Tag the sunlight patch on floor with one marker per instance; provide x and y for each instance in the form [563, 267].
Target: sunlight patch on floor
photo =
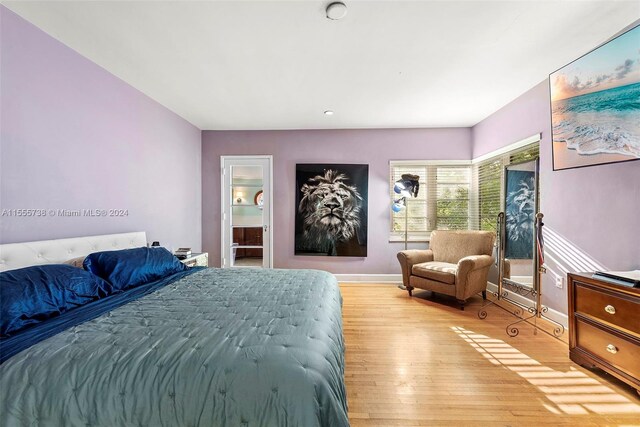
[572, 392]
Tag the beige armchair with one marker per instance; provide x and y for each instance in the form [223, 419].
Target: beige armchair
[456, 264]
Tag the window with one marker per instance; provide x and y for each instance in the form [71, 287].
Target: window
[452, 197]
[488, 174]
[442, 202]
[455, 195]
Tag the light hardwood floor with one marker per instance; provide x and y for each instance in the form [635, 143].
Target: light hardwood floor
[421, 361]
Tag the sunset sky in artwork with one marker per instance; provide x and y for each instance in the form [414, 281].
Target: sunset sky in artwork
[615, 64]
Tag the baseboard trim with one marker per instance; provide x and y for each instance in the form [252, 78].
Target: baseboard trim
[369, 278]
[552, 314]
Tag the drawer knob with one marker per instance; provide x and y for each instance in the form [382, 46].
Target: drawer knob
[610, 309]
[612, 349]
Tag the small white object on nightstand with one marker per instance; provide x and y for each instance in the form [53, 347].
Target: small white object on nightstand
[196, 260]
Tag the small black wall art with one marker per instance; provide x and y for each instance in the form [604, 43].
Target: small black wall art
[331, 209]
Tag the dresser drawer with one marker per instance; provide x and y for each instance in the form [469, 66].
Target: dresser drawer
[613, 349]
[620, 310]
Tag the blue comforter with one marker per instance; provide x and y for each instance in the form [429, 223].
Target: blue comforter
[231, 347]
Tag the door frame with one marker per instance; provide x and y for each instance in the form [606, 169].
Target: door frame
[269, 158]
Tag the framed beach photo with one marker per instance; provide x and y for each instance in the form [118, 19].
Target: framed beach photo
[595, 105]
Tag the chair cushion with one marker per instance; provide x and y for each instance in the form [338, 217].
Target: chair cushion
[435, 270]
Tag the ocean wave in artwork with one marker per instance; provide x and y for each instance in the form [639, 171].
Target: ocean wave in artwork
[602, 122]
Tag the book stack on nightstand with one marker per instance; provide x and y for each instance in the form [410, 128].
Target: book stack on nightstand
[196, 259]
[182, 253]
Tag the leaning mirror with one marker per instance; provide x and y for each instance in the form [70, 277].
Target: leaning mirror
[520, 205]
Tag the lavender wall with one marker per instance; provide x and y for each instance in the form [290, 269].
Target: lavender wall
[374, 147]
[591, 214]
[74, 136]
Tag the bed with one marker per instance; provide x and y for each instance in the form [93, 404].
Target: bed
[209, 347]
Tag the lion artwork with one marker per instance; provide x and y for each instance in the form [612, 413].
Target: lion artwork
[331, 212]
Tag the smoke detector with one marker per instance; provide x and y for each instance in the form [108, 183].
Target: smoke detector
[336, 10]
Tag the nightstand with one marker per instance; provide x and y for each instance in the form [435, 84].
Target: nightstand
[196, 260]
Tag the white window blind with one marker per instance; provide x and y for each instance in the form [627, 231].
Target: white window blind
[488, 185]
[442, 202]
[451, 197]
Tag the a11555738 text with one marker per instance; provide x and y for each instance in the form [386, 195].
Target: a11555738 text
[29, 212]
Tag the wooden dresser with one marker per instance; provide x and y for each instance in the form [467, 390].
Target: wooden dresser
[248, 236]
[604, 326]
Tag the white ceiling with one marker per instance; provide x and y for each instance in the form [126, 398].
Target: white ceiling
[280, 64]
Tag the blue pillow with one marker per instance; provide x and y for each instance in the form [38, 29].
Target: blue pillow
[133, 267]
[33, 294]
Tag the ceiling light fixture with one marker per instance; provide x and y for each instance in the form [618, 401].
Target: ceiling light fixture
[328, 113]
[336, 10]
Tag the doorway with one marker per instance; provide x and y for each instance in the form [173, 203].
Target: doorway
[246, 211]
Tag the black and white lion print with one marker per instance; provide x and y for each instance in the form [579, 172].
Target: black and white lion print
[330, 210]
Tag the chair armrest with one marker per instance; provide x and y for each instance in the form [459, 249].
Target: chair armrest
[507, 269]
[471, 276]
[411, 257]
[474, 262]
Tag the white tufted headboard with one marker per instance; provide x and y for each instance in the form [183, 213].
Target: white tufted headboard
[18, 255]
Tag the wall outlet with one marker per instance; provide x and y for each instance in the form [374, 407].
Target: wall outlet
[559, 282]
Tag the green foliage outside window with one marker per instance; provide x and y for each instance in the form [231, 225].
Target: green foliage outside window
[489, 194]
[453, 209]
[530, 154]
